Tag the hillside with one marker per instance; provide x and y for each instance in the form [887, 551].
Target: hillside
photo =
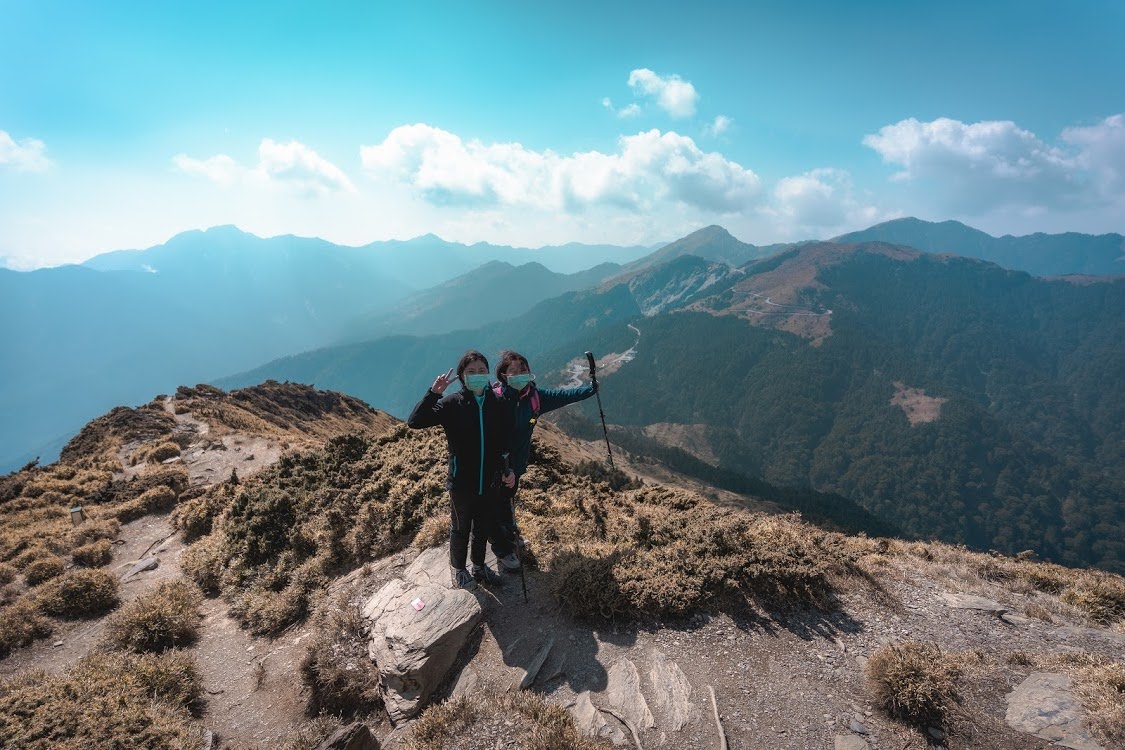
[1039, 254]
[944, 396]
[493, 292]
[655, 615]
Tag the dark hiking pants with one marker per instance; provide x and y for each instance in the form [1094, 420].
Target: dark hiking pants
[471, 517]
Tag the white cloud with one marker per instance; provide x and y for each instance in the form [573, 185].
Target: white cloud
[674, 95]
[974, 168]
[27, 155]
[718, 126]
[632, 110]
[820, 202]
[649, 169]
[292, 165]
[1101, 152]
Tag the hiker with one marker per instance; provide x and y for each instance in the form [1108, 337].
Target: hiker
[478, 428]
[516, 386]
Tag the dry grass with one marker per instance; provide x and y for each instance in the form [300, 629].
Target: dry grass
[93, 555]
[433, 533]
[43, 569]
[159, 499]
[7, 574]
[483, 722]
[162, 452]
[108, 701]
[1102, 690]
[167, 617]
[21, 623]
[77, 594]
[341, 677]
[913, 681]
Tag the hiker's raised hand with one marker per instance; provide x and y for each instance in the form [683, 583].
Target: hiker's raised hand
[509, 479]
[441, 382]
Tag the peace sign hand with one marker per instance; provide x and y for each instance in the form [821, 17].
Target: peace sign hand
[441, 382]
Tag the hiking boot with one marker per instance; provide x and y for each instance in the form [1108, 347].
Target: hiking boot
[486, 575]
[462, 578]
[509, 562]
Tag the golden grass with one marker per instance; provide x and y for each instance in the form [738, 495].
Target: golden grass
[167, 617]
[93, 555]
[21, 623]
[336, 668]
[107, 702]
[43, 569]
[478, 722]
[77, 594]
[913, 681]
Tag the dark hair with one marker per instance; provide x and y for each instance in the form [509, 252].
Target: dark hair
[507, 359]
[467, 359]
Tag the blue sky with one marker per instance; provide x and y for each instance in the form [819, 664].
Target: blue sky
[122, 124]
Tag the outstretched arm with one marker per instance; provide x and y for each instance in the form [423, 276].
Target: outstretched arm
[556, 398]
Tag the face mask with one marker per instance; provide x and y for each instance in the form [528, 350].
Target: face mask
[477, 383]
[519, 382]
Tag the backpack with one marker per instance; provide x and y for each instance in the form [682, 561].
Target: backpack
[498, 389]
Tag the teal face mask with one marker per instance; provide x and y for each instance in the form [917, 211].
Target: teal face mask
[519, 382]
[477, 383]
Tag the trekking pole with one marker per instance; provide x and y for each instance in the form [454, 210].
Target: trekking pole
[517, 537]
[597, 392]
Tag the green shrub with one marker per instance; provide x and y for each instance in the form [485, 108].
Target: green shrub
[913, 682]
[94, 554]
[161, 619]
[78, 593]
[43, 569]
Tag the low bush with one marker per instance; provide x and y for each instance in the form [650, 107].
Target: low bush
[159, 499]
[164, 618]
[1100, 596]
[93, 530]
[914, 682]
[538, 724]
[21, 623]
[433, 533]
[163, 452]
[43, 569]
[78, 593]
[109, 700]
[340, 675]
[94, 554]
[7, 574]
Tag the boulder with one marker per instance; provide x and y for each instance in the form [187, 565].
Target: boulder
[1043, 705]
[418, 627]
[672, 691]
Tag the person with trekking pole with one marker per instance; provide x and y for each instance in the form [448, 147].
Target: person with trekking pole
[478, 430]
[516, 387]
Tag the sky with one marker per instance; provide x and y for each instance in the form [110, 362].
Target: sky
[125, 123]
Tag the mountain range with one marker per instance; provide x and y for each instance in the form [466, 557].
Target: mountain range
[943, 395]
[947, 396]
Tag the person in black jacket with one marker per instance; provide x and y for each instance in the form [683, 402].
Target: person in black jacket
[517, 390]
[478, 429]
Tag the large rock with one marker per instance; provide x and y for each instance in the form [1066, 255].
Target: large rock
[418, 627]
[673, 691]
[1043, 705]
[623, 694]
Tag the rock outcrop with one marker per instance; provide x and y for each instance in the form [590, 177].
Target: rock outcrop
[419, 625]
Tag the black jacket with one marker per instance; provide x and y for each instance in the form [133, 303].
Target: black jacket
[474, 464]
